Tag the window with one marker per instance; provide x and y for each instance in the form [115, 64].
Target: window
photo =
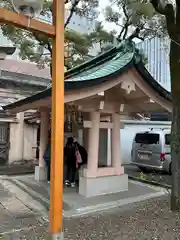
[167, 139]
[147, 138]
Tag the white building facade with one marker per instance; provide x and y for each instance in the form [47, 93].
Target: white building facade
[157, 52]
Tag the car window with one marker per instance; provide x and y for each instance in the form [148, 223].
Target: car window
[147, 138]
[167, 139]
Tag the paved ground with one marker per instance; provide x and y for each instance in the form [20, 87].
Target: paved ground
[19, 167]
[23, 216]
[73, 203]
[159, 177]
[142, 221]
[27, 167]
[17, 220]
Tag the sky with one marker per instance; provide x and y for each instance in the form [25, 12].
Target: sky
[108, 26]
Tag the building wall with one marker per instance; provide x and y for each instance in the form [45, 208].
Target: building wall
[23, 140]
[16, 139]
[30, 141]
[157, 52]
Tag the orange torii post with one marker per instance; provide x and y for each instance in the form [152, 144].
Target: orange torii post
[56, 32]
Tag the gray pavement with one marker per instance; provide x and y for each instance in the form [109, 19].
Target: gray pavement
[73, 203]
[16, 218]
[145, 220]
[19, 167]
[116, 216]
[148, 220]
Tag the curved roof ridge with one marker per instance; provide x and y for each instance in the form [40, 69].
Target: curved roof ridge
[101, 69]
[123, 46]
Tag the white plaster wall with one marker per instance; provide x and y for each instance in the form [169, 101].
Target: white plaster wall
[15, 151]
[16, 139]
[30, 141]
[23, 141]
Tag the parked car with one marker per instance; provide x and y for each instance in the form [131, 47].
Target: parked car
[151, 150]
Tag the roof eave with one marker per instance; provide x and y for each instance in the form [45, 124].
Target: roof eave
[141, 69]
[69, 85]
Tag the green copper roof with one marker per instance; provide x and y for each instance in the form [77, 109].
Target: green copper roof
[101, 69]
[104, 65]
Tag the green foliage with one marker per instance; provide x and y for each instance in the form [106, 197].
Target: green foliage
[101, 38]
[38, 48]
[130, 14]
[142, 176]
[76, 48]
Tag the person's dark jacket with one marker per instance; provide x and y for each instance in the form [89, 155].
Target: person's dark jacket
[69, 155]
[47, 155]
[84, 154]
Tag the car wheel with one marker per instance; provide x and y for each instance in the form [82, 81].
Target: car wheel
[170, 169]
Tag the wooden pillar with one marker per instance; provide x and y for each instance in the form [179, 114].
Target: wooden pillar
[93, 143]
[21, 135]
[44, 130]
[109, 147]
[57, 139]
[116, 153]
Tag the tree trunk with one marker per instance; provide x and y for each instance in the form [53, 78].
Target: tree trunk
[175, 130]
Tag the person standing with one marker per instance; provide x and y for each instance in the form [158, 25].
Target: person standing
[81, 154]
[70, 162]
[47, 159]
[81, 158]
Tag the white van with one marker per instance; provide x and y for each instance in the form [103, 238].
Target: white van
[151, 149]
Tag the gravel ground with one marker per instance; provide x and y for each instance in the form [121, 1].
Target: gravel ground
[148, 220]
[143, 221]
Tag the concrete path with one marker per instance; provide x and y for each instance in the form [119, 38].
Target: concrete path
[17, 219]
[24, 216]
[36, 196]
[147, 220]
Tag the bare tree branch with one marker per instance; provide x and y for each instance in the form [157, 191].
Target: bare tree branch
[121, 32]
[127, 21]
[73, 9]
[125, 12]
[49, 48]
[124, 29]
[135, 34]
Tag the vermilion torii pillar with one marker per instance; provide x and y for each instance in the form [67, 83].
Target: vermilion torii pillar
[56, 32]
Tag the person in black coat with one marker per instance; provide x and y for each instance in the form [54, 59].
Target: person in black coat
[47, 159]
[70, 162]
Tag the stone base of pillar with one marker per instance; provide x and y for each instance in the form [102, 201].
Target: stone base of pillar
[90, 187]
[58, 236]
[40, 173]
